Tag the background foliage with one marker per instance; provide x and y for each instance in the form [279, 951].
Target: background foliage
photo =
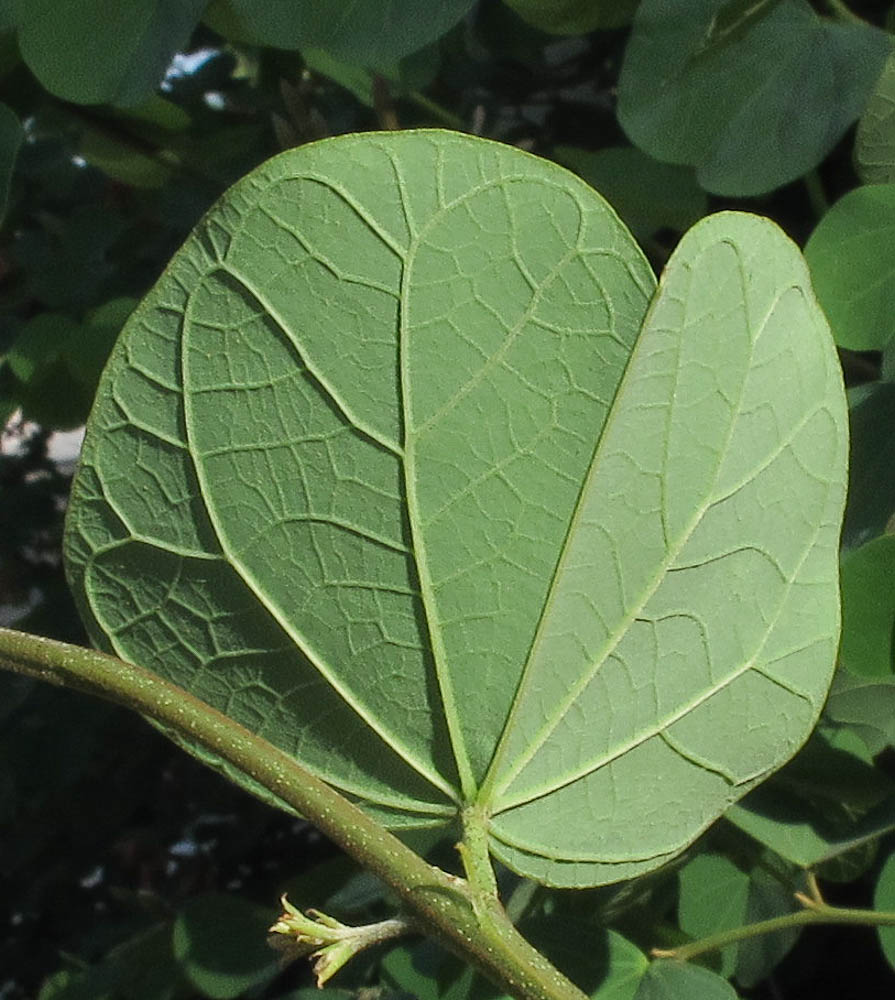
[116, 134]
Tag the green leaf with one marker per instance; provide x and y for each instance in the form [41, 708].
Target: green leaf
[91, 52]
[826, 803]
[875, 138]
[574, 17]
[871, 485]
[851, 254]
[758, 956]
[868, 609]
[57, 362]
[424, 971]
[371, 32]
[647, 194]
[411, 73]
[866, 705]
[884, 899]
[141, 968]
[713, 897]
[626, 965]
[11, 136]
[220, 942]
[351, 478]
[670, 980]
[122, 161]
[752, 103]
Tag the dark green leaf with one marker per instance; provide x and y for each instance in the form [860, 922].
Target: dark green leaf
[851, 255]
[670, 980]
[884, 899]
[713, 898]
[866, 705]
[93, 52]
[871, 485]
[758, 956]
[647, 194]
[220, 942]
[875, 139]
[824, 804]
[370, 32]
[143, 968]
[868, 609]
[574, 17]
[11, 135]
[756, 111]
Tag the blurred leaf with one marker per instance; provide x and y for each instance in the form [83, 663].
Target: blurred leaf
[574, 17]
[871, 485]
[758, 956]
[866, 705]
[41, 342]
[884, 899]
[425, 972]
[370, 32]
[647, 194]
[824, 804]
[8, 14]
[851, 255]
[875, 138]
[413, 72]
[11, 136]
[753, 113]
[143, 968]
[732, 21]
[57, 362]
[220, 942]
[868, 608]
[327, 993]
[666, 979]
[94, 52]
[122, 161]
[626, 966]
[68, 262]
[713, 898]
[570, 930]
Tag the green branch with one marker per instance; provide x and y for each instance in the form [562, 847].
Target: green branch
[475, 927]
[814, 911]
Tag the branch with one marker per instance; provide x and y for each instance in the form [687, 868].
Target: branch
[814, 911]
[445, 906]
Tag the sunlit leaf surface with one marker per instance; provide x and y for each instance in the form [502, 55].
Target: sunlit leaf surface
[398, 466]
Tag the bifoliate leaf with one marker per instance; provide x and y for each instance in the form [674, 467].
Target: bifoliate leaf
[851, 254]
[751, 100]
[395, 467]
[93, 52]
[370, 32]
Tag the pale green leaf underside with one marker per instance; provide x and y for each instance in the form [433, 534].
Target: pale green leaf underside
[351, 477]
